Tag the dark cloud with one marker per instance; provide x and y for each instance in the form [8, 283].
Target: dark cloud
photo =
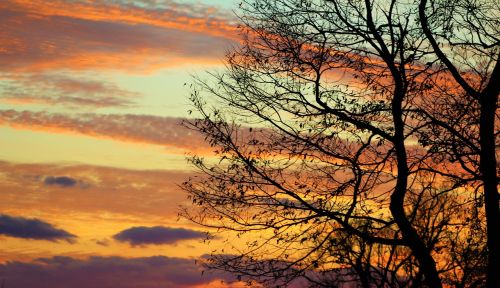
[156, 235]
[103, 242]
[107, 272]
[21, 227]
[62, 181]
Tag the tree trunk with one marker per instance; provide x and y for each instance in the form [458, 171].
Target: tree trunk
[410, 235]
[487, 167]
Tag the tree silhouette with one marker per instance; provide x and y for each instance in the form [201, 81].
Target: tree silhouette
[356, 144]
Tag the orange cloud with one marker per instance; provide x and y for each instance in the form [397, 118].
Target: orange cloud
[166, 131]
[40, 35]
[152, 194]
[187, 17]
[94, 203]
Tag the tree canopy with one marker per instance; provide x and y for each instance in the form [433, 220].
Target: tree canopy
[357, 144]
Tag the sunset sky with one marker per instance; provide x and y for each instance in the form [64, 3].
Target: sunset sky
[91, 151]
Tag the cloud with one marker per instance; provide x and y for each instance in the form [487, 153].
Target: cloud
[108, 272]
[156, 235]
[62, 181]
[142, 194]
[149, 129]
[36, 229]
[77, 35]
[102, 242]
[54, 89]
[163, 13]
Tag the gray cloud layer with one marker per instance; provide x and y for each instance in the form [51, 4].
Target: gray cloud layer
[106, 272]
[56, 89]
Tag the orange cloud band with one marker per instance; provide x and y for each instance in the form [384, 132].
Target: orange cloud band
[185, 17]
[166, 131]
[40, 35]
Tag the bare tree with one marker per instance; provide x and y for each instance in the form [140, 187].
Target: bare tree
[465, 40]
[356, 141]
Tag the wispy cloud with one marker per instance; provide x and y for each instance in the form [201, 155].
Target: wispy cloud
[20, 227]
[156, 235]
[54, 89]
[156, 130]
[162, 13]
[76, 35]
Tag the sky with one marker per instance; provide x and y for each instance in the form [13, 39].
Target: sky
[91, 151]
